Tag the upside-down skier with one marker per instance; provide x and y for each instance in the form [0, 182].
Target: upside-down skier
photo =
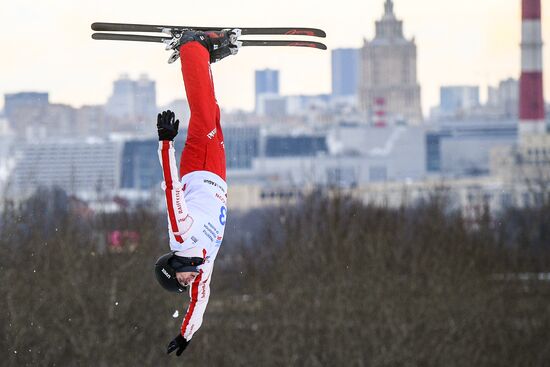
[196, 197]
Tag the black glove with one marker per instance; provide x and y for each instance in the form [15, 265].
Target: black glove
[178, 343]
[166, 126]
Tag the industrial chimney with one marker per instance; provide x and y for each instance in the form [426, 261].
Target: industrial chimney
[531, 100]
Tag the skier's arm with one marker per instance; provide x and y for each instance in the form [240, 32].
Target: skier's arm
[199, 293]
[178, 215]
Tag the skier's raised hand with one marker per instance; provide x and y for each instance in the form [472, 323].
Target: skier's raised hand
[167, 125]
[178, 343]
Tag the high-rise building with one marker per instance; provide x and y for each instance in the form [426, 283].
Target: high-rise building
[139, 166]
[388, 83]
[22, 109]
[132, 99]
[295, 146]
[145, 98]
[242, 145]
[267, 83]
[505, 98]
[271, 105]
[58, 120]
[457, 99]
[91, 121]
[345, 71]
[24, 99]
[121, 102]
[32, 117]
[73, 165]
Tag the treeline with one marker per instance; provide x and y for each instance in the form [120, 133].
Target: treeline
[325, 282]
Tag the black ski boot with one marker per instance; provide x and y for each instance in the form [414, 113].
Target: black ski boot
[222, 43]
[219, 44]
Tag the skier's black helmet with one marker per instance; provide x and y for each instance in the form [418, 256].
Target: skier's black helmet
[168, 264]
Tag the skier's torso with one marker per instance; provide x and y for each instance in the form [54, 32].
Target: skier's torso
[205, 194]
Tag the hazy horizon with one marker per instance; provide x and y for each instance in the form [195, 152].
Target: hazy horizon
[50, 49]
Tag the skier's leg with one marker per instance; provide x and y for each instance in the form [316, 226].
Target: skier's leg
[203, 149]
[215, 157]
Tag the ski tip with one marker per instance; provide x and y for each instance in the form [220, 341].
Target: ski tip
[317, 45]
[313, 32]
[308, 44]
[321, 46]
[297, 43]
[100, 36]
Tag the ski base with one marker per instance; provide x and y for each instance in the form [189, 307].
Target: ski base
[245, 43]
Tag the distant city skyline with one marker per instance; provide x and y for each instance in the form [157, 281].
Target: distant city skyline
[466, 43]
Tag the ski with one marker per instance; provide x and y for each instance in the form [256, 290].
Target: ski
[245, 43]
[310, 44]
[127, 27]
[130, 37]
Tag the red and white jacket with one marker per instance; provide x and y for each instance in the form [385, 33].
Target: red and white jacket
[197, 211]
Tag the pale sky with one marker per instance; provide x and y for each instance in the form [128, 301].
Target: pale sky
[46, 45]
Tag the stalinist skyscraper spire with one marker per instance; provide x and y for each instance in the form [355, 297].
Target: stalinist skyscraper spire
[388, 90]
[389, 8]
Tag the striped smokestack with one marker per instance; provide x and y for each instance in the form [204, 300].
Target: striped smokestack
[531, 100]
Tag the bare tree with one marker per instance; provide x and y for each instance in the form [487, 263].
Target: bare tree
[327, 281]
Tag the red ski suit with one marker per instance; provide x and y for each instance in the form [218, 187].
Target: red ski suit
[196, 199]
